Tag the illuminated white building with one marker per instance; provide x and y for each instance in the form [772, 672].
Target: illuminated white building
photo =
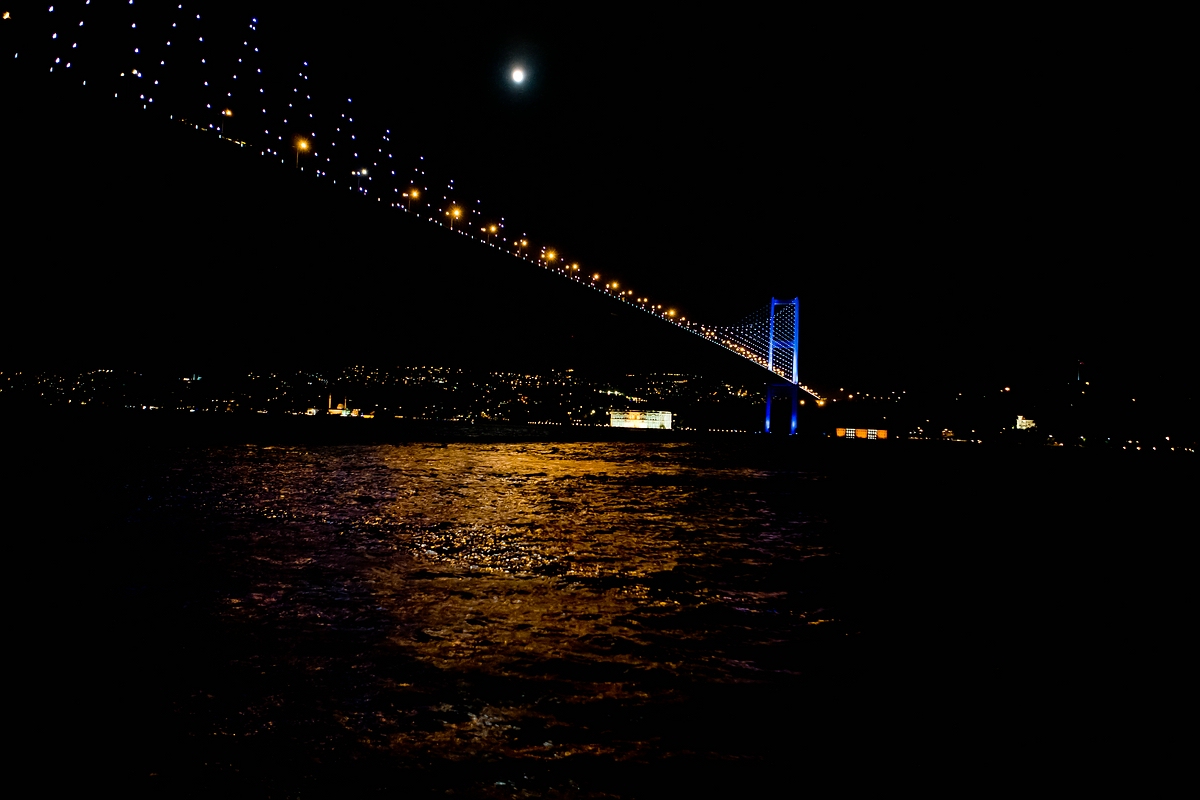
[640, 419]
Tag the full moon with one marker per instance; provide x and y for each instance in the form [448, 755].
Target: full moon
[518, 75]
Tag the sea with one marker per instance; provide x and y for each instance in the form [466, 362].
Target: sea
[510, 612]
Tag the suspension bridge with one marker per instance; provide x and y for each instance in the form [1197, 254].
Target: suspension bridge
[210, 71]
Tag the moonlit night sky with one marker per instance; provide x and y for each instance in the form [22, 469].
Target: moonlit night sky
[945, 195]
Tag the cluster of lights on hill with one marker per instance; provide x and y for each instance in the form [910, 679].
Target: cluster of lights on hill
[159, 58]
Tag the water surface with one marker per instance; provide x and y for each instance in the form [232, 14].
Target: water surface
[489, 618]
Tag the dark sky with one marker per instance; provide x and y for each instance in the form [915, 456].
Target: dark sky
[975, 195]
[953, 191]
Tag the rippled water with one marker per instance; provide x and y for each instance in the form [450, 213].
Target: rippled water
[490, 619]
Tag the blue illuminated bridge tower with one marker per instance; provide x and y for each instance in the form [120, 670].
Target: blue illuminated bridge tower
[770, 337]
[783, 336]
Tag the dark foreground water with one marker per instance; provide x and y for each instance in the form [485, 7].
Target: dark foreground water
[513, 619]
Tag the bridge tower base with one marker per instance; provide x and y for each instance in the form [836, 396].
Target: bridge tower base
[789, 390]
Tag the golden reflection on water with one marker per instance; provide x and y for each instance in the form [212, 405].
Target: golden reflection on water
[532, 561]
[570, 575]
[507, 562]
